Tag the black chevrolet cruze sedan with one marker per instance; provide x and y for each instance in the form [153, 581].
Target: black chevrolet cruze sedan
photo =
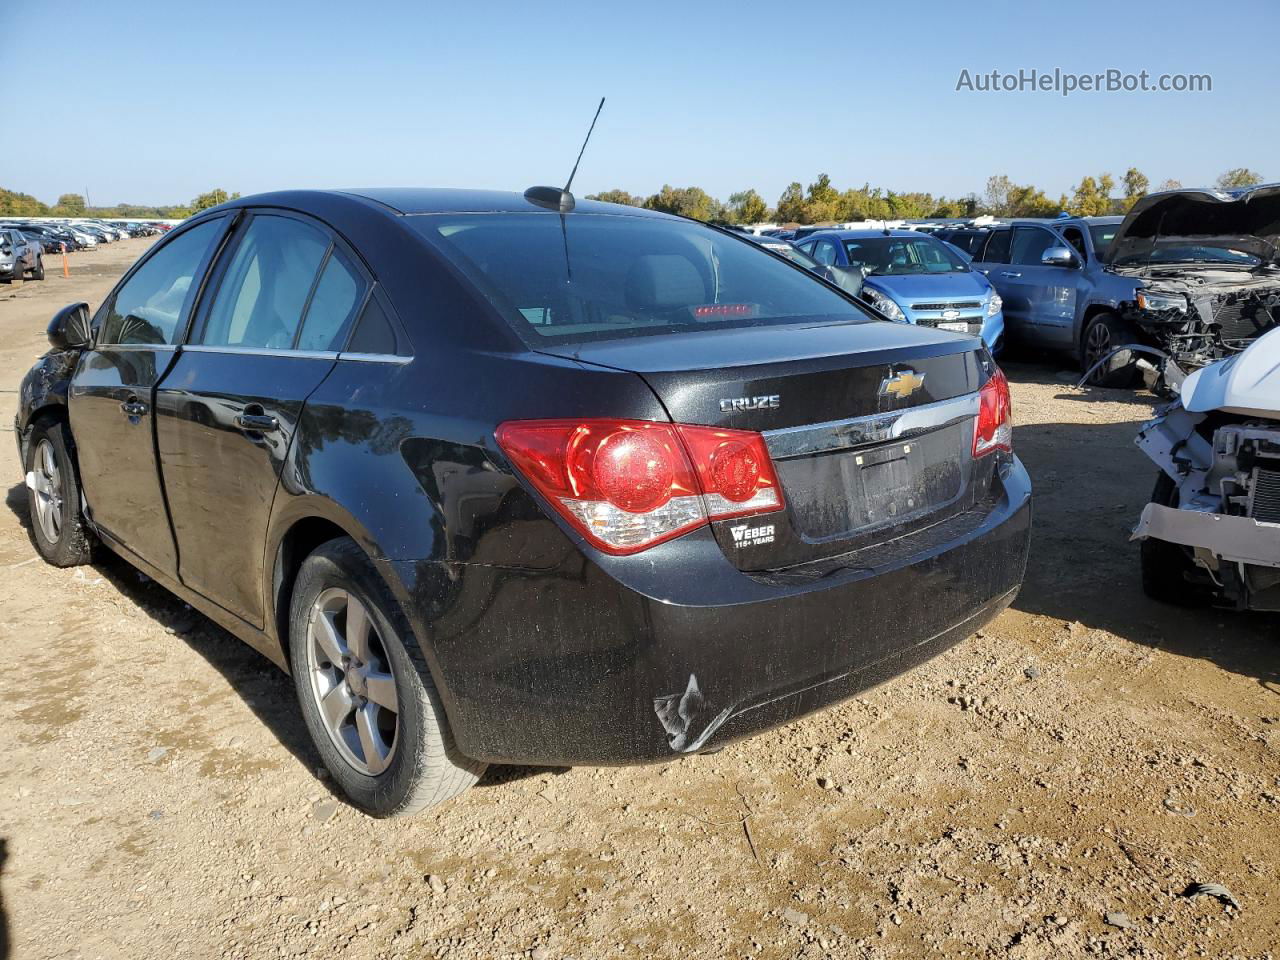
[500, 483]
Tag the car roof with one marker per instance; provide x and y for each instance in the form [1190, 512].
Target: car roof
[869, 234]
[1064, 221]
[420, 200]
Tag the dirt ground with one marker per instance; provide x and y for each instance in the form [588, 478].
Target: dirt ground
[1090, 752]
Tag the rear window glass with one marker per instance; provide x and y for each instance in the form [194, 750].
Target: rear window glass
[598, 276]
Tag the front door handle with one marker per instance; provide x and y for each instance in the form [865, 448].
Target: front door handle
[133, 407]
[257, 423]
[1007, 273]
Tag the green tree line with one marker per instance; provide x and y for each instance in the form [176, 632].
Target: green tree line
[822, 202]
[15, 204]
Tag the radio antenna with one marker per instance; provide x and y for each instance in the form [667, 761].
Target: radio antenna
[553, 198]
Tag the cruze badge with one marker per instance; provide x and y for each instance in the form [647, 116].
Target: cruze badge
[750, 403]
[902, 384]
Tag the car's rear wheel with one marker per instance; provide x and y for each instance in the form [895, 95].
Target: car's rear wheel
[58, 528]
[38, 272]
[1104, 333]
[1168, 572]
[367, 695]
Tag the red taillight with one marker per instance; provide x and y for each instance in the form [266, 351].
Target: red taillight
[735, 471]
[993, 429]
[629, 484]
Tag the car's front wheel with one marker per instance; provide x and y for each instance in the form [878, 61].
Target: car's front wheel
[366, 692]
[1168, 572]
[1105, 332]
[58, 527]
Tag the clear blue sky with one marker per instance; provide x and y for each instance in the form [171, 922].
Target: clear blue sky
[161, 101]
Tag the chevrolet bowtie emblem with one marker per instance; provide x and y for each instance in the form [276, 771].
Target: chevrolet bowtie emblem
[902, 384]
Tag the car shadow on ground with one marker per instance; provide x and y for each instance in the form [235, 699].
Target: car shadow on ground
[267, 690]
[1066, 378]
[1090, 484]
[5, 941]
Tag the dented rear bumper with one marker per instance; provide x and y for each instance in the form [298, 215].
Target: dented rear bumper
[612, 660]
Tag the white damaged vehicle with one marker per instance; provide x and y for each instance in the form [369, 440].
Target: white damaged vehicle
[1211, 533]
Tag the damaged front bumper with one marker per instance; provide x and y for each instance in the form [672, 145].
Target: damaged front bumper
[614, 660]
[1230, 539]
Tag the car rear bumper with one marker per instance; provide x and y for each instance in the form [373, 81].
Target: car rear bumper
[624, 660]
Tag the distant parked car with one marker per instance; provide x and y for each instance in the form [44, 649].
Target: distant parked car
[912, 277]
[1188, 272]
[19, 256]
[97, 232]
[84, 238]
[968, 239]
[848, 279]
[36, 235]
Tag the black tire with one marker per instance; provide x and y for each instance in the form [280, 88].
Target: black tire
[424, 766]
[58, 528]
[1103, 333]
[1168, 572]
[38, 272]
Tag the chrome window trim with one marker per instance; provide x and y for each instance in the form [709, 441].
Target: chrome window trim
[834, 435]
[104, 347]
[262, 351]
[375, 358]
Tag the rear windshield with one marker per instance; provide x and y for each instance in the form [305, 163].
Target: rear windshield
[602, 276]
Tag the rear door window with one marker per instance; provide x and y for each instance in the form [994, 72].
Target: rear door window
[267, 285]
[337, 297]
[151, 306]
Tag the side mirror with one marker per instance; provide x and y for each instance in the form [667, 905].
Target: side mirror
[1059, 257]
[69, 328]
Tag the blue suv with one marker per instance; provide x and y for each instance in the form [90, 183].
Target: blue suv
[913, 278]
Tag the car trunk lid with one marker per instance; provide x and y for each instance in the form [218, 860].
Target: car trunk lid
[869, 425]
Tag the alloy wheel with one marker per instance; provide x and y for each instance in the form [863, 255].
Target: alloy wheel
[1097, 344]
[46, 487]
[352, 681]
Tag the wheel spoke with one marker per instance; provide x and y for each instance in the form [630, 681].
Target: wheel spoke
[357, 629]
[381, 689]
[336, 706]
[40, 483]
[50, 465]
[325, 632]
[375, 751]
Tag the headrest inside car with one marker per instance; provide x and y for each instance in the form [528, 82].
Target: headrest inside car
[664, 280]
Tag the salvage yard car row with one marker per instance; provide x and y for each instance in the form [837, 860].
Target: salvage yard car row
[1186, 278]
[24, 242]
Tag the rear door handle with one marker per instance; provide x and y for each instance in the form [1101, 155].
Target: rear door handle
[1007, 273]
[133, 408]
[257, 423]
